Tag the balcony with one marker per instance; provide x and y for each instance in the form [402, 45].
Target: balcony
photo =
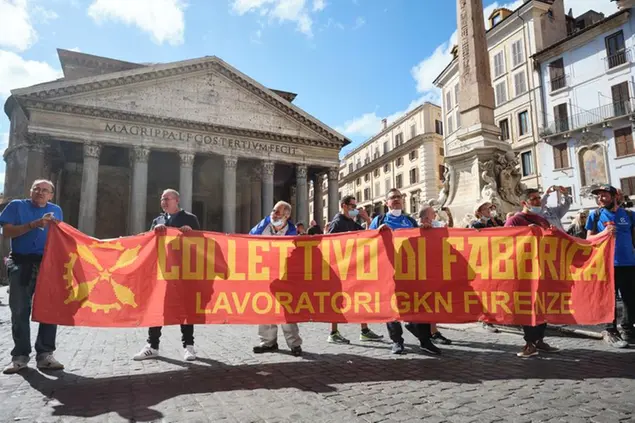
[559, 82]
[588, 118]
[619, 58]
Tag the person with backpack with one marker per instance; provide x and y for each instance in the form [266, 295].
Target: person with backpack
[610, 217]
[393, 220]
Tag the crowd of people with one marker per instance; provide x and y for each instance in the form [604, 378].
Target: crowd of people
[26, 222]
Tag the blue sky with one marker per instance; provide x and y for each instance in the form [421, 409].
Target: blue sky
[351, 62]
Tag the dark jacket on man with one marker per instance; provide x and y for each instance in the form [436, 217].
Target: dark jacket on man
[341, 223]
[180, 219]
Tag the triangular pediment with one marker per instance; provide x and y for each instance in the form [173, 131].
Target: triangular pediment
[205, 90]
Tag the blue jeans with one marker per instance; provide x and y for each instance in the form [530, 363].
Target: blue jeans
[20, 301]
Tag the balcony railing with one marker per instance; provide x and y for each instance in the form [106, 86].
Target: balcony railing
[559, 82]
[619, 58]
[588, 118]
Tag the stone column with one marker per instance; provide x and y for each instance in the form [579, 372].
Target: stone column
[302, 193]
[185, 179]
[334, 201]
[317, 198]
[245, 204]
[88, 195]
[36, 166]
[256, 196]
[139, 195]
[229, 195]
[267, 187]
[293, 200]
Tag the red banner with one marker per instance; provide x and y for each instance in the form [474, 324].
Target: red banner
[502, 275]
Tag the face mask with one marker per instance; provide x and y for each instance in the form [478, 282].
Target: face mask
[395, 212]
[353, 213]
[437, 224]
[277, 223]
[484, 219]
[493, 213]
[535, 209]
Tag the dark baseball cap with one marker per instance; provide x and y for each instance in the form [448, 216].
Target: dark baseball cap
[606, 187]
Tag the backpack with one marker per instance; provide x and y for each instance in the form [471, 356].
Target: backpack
[596, 218]
[382, 217]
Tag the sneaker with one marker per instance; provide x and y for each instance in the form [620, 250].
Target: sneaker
[438, 338]
[336, 338]
[17, 364]
[188, 353]
[628, 337]
[489, 327]
[614, 339]
[48, 362]
[529, 350]
[146, 353]
[544, 347]
[428, 347]
[265, 348]
[397, 348]
[370, 336]
[296, 351]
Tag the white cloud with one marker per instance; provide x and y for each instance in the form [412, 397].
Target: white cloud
[17, 31]
[359, 22]
[16, 72]
[42, 15]
[162, 19]
[296, 11]
[319, 5]
[75, 49]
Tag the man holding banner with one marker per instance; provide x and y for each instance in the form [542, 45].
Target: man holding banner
[395, 219]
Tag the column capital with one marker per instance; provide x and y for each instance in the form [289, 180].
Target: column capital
[187, 158]
[268, 167]
[301, 171]
[139, 154]
[37, 142]
[230, 162]
[293, 190]
[334, 173]
[256, 174]
[92, 150]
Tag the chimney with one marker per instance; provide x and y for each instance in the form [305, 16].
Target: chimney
[384, 124]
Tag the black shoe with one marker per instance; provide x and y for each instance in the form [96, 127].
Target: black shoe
[428, 347]
[265, 349]
[629, 336]
[397, 348]
[296, 351]
[438, 338]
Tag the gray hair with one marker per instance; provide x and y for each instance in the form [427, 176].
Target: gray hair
[43, 181]
[287, 207]
[173, 192]
[424, 210]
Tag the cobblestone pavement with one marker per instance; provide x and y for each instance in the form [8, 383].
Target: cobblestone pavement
[478, 379]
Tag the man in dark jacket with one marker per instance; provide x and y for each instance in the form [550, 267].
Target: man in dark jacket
[175, 217]
[344, 221]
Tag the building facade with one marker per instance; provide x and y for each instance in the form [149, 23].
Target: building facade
[112, 135]
[587, 123]
[407, 154]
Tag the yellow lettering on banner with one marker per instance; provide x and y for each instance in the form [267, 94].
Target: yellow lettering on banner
[586, 250]
[547, 256]
[321, 296]
[540, 303]
[256, 307]
[304, 303]
[502, 257]
[440, 300]
[448, 257]
[422, 272]
[403, 248]
[199, 306]
[222, 303]
[232, 261]
[527, 259]
[479, 262]
[283, 299]
[198, 274]
[565, 272]
[553, 299]
[325, 248]
[308, 257]
[241, 306]
[421, 301]
[484, 302]
[596, 269]
[163, 274]
[500, 298]
[254, 259]
[566, 303]
[362, 299]
[371, 258]
[210, 258]
[343, 258]
[283, 248]
[403, 307]
[518, 302]
[470, 298]
[377, 302]
[347, 302]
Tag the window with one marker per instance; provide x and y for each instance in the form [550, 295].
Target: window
[399, 161]
[399, 181]
[441, 172]
[358, 164]
[561, 117]
[386, 167]
[624, 141]
[310, 208]
[367, 177]
[376, 155]
[413, 204]
[366, 160]
[341, 175]
[350, 168]
[358, 196]
[456, 95]
[518, 56]
[458, 119]
[621, 97]
[398, 139]
[450, 125]
[386, 148]
[504, 126]
[527, 163]
[520, 83]
[441, 151]
[523, 123]
[413, 155]
[438, 127]
[628, 185]
[413, 176]
[560, 156]
[556, 75]
[615, 50]
[366, 194]
[501, 93]
[376, 173]
[339, 196]
[496, 19]
[377, 188]
[358, 181]
[499, 64]
[413, 131]
[448, 100]
[387, 185]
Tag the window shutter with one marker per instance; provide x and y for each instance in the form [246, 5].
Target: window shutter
[557, 158]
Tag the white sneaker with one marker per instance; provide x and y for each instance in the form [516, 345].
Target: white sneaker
[188, 353]
[146, 353]
[48, 362]
[17, 364]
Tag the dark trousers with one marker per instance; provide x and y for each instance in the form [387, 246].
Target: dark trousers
[187, 336]
[420, 330]
[625, 284]
[534, 334]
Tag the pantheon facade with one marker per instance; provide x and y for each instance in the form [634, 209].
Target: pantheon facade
[112, 135]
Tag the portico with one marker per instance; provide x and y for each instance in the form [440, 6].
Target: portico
[112, 135]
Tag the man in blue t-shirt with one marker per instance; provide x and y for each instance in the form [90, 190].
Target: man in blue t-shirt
[612, 218]
[396, 219]
[26, 223]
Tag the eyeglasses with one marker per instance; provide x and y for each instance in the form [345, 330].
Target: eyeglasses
[42, 190]
[533, 199]
[351, 206]
[395, 197]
